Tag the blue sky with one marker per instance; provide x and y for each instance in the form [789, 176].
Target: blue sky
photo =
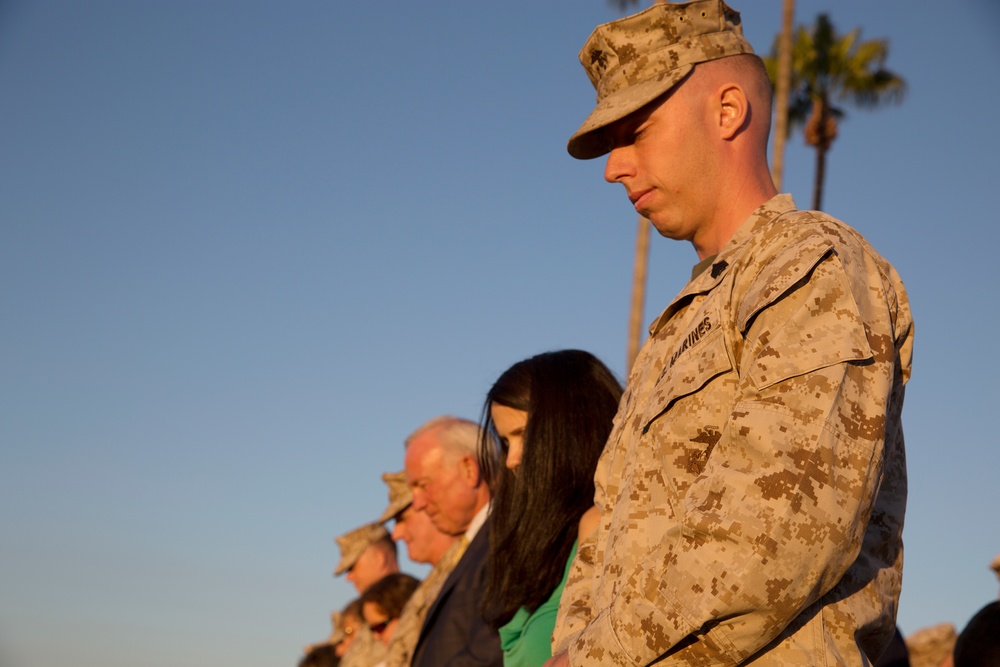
[247, 247]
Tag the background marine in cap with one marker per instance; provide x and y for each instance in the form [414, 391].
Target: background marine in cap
[424, 544]
[367, 555]
[752, 491]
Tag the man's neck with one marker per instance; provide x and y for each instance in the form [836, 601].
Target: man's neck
[752, 190]
[477, 521]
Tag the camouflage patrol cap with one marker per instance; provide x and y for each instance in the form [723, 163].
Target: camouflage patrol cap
[400, 496]
[634, 60]
[353, 544]
[930, 645]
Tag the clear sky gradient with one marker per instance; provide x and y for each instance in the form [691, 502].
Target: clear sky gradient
[248, 246]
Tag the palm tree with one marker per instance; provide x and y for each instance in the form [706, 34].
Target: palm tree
[641, 259]
[828, 68]
[782, 81]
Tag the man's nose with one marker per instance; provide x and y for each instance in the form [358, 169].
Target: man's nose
[419, 501]
[617, 165]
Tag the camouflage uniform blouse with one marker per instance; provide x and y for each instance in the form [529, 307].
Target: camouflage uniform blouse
[404, 639]
[753, 488]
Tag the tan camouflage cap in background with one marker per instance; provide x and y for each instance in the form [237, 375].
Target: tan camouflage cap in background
[929, 646]
[400, 496]
[634, 60]
[352, 544]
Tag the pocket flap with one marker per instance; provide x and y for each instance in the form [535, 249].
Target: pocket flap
[818, 326]
[690, 370]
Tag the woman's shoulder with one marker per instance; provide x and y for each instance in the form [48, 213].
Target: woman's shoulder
[588, 523]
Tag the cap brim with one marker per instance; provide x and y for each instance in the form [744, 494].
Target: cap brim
[344, 565]
[393, 510]
[590, 141]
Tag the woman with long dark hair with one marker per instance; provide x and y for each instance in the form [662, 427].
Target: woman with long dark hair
[545, 422]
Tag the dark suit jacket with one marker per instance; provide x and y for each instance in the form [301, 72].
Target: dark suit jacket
[454, 633]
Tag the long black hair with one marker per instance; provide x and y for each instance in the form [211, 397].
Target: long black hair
[570, 398]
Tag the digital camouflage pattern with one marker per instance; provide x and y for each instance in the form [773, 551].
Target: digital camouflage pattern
[400, 496]
[404, 639]
[634, 60]
[753, 488]
[353, 543]
[931, 646]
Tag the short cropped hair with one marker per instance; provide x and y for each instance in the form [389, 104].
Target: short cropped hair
[387, 546]
[749, 70]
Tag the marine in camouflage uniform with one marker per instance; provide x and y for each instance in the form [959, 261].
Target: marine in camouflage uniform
[404, 639]
[424, 547]
[372, 545]
[753, 488]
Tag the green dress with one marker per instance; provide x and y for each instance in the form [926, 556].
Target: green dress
[526, 639]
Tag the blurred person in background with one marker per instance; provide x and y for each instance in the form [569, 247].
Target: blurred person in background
[978, 644]
[321, 655]
[424, 544]
[382, 604]
[349, 627]
[367, 555]
[442, 471]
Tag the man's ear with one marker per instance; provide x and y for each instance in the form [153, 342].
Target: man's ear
[734, 111]
[469, 468]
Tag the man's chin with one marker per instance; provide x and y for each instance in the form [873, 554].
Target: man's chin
[445, 526]
[416, 555]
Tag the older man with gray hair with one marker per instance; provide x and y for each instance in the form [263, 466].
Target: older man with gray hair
[442, 471]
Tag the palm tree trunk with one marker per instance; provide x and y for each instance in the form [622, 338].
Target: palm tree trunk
[781, 89]
[820, 174]
[638, 293]
[638, 286]
[820, 130]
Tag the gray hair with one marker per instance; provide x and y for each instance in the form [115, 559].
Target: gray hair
[454, 434]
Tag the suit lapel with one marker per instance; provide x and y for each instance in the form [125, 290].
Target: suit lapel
[475, 552]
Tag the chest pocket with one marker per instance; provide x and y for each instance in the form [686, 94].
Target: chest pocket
[698, 354]
[809, 320]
